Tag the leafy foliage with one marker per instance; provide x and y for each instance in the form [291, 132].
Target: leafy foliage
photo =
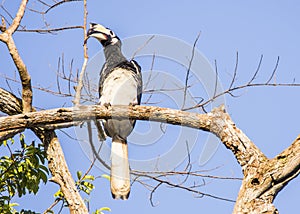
[21, 172]
[100, 211]
[84, 183]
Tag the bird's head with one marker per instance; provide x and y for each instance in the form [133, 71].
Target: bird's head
[102, 34]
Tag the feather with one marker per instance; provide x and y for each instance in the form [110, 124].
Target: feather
[120, 176]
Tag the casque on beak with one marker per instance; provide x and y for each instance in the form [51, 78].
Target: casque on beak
[97, 31]
[104, 35]
[92, 29]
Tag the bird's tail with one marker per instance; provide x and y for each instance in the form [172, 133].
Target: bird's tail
[119, 174]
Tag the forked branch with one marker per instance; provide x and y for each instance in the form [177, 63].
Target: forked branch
[61, 175]
[6, 37]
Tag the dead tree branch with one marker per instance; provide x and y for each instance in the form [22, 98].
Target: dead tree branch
[6, 37]
[58, 4]
[189, 69]
[261, 174]
[233, 88]
[50, 30]
[76, 100]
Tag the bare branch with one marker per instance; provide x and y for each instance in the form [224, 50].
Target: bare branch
[189, 69]
[257, 70]
[215, 122]
[6, 37]
[50, 30]
[96, 152]
[235, 71]
[44, 3]
[17, 20]
[76, 100]
[274, 71]
[51, 206]
[152, 192]
[9, 134]
[59, 3]
[284, 173]
[249, 84]
[262, 182]
[190, 189]
[140, 48]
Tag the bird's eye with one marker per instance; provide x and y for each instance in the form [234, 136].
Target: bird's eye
[111, 32]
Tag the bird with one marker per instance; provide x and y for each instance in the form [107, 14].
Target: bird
[120, 84]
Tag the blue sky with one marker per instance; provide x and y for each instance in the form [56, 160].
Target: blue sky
[267, 115]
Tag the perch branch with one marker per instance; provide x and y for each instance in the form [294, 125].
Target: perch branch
[11, 105]
[263, 178]
[217, 122]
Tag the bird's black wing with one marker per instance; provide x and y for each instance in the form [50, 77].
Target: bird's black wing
[129, 65]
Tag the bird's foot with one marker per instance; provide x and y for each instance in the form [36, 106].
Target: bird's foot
[107, 105]
[132, 104]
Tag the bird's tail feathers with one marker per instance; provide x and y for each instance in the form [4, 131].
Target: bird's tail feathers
[120, 175]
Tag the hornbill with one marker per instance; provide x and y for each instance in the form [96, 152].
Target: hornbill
[120, 84]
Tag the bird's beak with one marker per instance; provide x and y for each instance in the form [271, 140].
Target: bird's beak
[97, 31]
[89, 32]
[92, 29]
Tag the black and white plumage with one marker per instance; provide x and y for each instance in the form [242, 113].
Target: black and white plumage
[120, 84]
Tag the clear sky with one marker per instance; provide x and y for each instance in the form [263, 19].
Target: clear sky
[269, 116]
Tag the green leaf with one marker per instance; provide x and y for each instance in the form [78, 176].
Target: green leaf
[4, 143]
[59, 194]
[89, 177]
[79, 174]
[43, 176]
[13, 204]
[106, 176]
[105, 209]
[22, 141]
[45, 169]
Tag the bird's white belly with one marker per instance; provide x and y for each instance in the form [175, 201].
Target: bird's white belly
[119, 88]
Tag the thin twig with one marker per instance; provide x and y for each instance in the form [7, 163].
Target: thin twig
[274, 71]
[76, 100]
[189, 69]
[168, 183]
[59, 3]
[50, 30]
[152, 192]
[257, 70]
[249, 84]
[235, 70]
[140, 48]
[216, 81]
[48, 210]
[95, 152]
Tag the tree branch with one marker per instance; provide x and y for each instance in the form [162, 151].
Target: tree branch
[217, 122]
[76, 100]
[6, 37]
[58, 167]
[263, 178]
[262, 183]
[17, 20]
[286, 165]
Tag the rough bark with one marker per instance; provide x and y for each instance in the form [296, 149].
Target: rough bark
[263, 177]
[6, 37]
[57, 165]
[262, 182]
[11, 105]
